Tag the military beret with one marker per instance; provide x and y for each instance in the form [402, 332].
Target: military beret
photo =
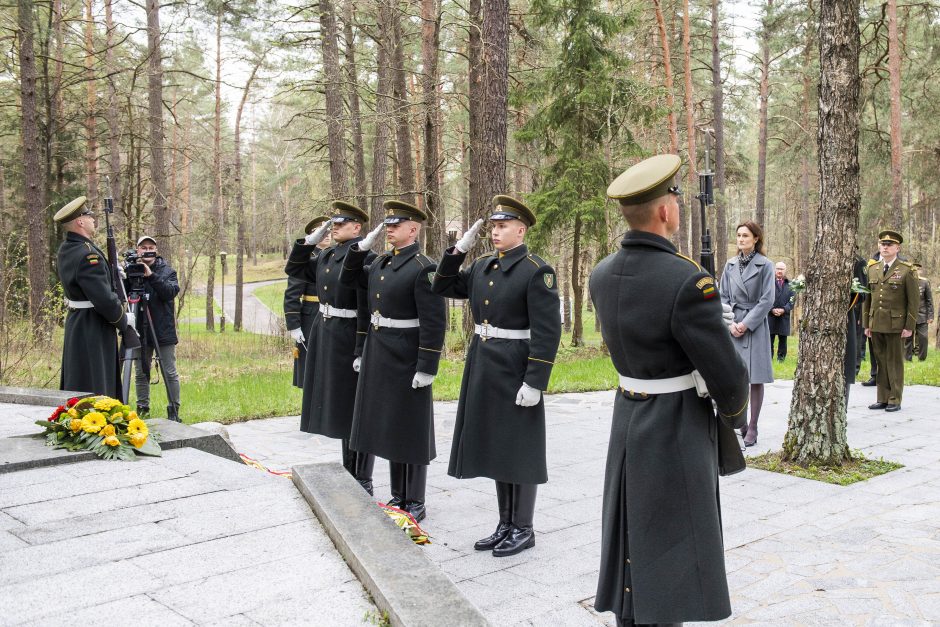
[508, 208]
[397, 211]
[887, 235]
[647, 180]
[346, 212]
[71, 211]
[317, 221]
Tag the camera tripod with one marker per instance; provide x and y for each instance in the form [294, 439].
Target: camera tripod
[137, 302]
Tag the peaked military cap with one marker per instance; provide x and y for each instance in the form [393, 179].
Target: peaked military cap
[397, 211]
[887, 235]
[317, 221]
[346, 212]
[647, 180]
[508, 208]
[71, 211]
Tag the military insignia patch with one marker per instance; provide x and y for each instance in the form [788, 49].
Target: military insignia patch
[549, 279]
[709, 292]
[93, 259]
[705, 281]
[431, 277]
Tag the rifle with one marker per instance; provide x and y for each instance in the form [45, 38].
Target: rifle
[129, 335]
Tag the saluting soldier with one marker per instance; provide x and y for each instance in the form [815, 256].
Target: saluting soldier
[662, 556]
[918, 342]
[90, 360]
[889, 316]
[394, 413]
[500, 429]
[336, 336]
[301, 305]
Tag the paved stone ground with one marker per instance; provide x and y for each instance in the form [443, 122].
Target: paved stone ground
[798, 551]
[185, 539]
[256, 317]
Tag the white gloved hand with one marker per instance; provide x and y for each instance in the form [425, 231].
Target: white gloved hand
[422, 380]
[122, 273]
[131, 320]
[317, 236]
[465, 243]
[297, 335]
[369, 240]
[727, 314]
[528, 396]
[357, 363]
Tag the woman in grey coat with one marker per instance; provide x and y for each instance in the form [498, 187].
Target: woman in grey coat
[747, 286]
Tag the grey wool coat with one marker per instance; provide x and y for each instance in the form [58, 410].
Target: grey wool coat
[751, 296]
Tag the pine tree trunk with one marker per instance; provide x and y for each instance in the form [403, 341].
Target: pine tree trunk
[805, 222]
[894, 75]
[161, 216]
[383, 110]
[577, 286]
[91, 101]
[760, 213]
[696, 234]
[333, 88]
[355, 116]
[667, 70]
[34, 199]
[816, 432]
[217, 244]
[240, 202]
[430, 44]
[55, 180]
[720, 237]
[112, 115]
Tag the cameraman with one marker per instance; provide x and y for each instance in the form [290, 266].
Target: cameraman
[158, 287]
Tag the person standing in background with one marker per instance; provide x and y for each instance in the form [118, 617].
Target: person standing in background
[918, 342]
[779, 319]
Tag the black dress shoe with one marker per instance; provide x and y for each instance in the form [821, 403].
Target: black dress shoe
[752, 443]
[518, 540]
[870, 383]
[892, 407]
[366, 485]
[878, 406]
[417, 510]
[395, 501]
[489, 542]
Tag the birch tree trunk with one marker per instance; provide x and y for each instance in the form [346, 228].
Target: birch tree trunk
[240, 201]
[217, 244]
[816, 432]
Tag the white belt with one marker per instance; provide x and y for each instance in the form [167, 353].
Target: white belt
[79, 304]
[392, 323]
[329, 311]
[665, 386]
[487, 331]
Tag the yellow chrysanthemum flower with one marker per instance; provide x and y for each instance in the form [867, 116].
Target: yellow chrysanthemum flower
[108, 431]
[72, 412]
[137, 426]
[137, 439]
[75, 425]
[93, 422]
[112, 440]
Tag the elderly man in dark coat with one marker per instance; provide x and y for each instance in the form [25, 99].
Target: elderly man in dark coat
[394, 414]
[500, 429]
[337, 336]
[778, 320]
[301, 305]
[90, 361]
[662, 555]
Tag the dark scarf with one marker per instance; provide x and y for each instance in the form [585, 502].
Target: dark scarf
[743, 260]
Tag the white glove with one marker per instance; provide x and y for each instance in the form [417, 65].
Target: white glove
[317, 236]
[297, 335]
[369, 240]
[131, 320]
[727, 314]
[422, 380]
[528, 396]
[465, 243]
[357, 363]
[122, 273]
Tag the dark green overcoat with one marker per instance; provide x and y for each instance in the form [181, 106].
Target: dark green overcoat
[299, 313]
[494, 437]
[391, 419]
[333, 343]
[90, 360]
[662, 556]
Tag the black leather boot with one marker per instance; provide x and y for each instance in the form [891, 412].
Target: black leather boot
[522, 535]
[172, 413]
[504, 499]
[349, 457]
[396, 476]
[365, 462]
[416, 484]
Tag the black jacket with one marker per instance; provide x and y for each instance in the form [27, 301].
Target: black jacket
[783, 295]
[160, 290]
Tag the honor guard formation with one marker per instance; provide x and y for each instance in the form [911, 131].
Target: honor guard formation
[367, 312]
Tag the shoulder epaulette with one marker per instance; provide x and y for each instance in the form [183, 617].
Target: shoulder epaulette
[535, 259]
[690, 260]
[906, 263]
[872, 262]
[484, 256]
[422, 260]
[89, 246]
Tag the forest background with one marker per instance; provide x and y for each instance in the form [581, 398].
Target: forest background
[226, 126]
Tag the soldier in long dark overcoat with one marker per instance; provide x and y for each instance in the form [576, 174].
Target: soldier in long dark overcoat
[337, 336]
[394, 413]
[301, 305]
[662, 555]
[90, 360]
[500, 428]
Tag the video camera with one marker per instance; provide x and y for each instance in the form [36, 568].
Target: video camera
[133, 264]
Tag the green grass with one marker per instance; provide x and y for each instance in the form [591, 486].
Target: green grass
[859, 468]
[270, 266]
[272, 296]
